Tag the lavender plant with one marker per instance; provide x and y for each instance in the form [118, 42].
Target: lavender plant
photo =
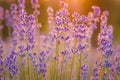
[63, 52]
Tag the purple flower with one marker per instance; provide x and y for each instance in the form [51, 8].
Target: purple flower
[75, 14]
[13, 70]
[84, 72]
[30, 37]
[95, 74]
[35, 4]
[96, 10]
[21, 50]
[105, 38]
[42, 65]
[108, 52]
[50, 10]
[34, 1]
[8, 18]
[11, 64]
[90, 17]
[1, 64]
[42, 53]
[83, 18]
[106, 13]
[64, 52]
[36, 12]
[118, 70]
[80, 47]
[21, 1]
[80, 31]
[107, 63]
[1, 48]
[13, 7]
[1, 57]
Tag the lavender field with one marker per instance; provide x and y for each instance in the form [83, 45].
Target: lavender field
[65, 51]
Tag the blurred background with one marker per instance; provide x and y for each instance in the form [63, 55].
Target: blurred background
[81, 6]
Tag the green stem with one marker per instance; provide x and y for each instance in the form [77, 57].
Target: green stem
[1, 34]
[72, 66]
[28, 67]
[22, 74]
[62, 67]
[101, 68]
[64, 45]
[9, 31]
[56, 61]
[79, 73]
[54, 70]
[10, 77]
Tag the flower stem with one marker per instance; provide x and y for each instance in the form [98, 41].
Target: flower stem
[72, 66]
[101, 68]
[62, 67]
[56, 60]
[80, 62]
[28, 67]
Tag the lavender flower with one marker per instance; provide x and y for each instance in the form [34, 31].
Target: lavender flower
[118, 70]
[105, 43]
[96, 10]
[51, 21]
[95, 73]
[14, 14]
[42, 65]
[1, 58]
[84, 73]
[8, 18]
[106, 37]
[107, 63]
[68, 38]
[117, 60]
[35, 3]
[11, 64]
[64, 52]
[83, 19]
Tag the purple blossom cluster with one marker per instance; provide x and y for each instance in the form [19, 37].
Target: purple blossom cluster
[1, 59]
[11, 64]
[42, 65]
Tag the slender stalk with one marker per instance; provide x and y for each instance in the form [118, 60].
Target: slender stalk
[21, 67]
[72, 66]
[80, 62]
[56, 61]
[54, 70]
[64, 45]
[62, 67]
[1, 34]
[9, 31]
[118, 77]
[11, 77]
[28, 68]
[101, 68]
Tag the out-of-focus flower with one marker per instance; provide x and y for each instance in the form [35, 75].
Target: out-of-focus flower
[1, 27]
[35, 3]
[1, 58]
[8, 18]
[1, 13]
